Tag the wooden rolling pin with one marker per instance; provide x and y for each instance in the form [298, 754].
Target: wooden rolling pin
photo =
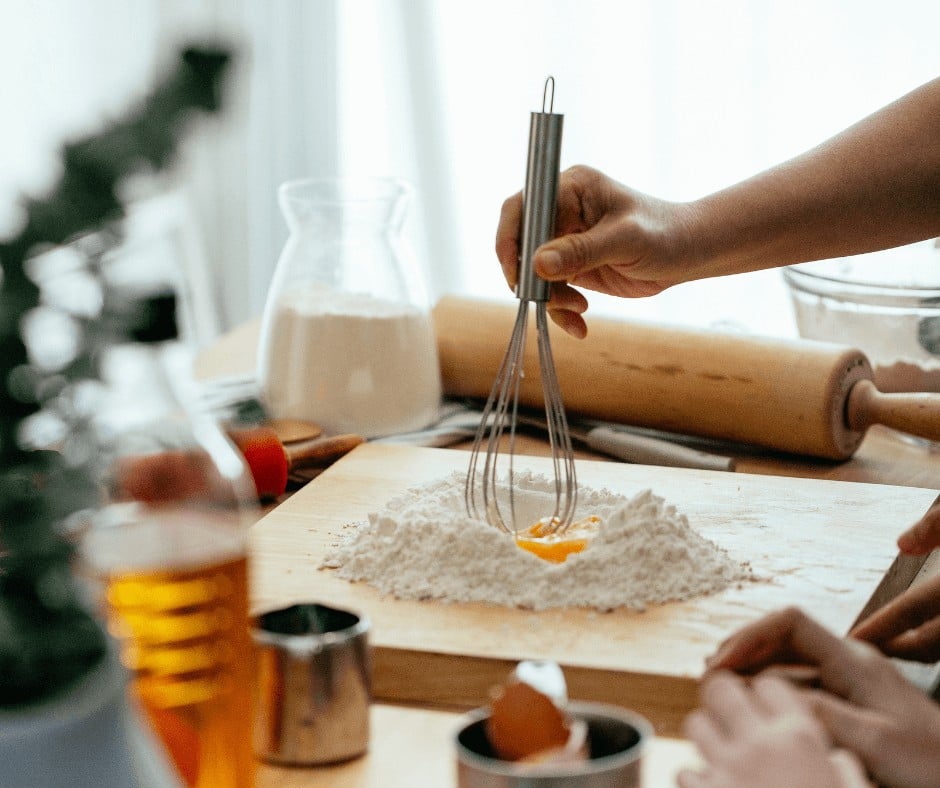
[797, 396]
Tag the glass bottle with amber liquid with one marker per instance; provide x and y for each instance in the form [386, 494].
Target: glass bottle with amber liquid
[168, 552]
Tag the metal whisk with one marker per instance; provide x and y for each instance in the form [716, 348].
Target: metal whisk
[539, 203]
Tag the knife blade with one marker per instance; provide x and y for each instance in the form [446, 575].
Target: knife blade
[639, 449]
[611, 439]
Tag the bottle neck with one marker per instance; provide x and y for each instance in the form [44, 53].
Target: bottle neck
[346, 206]
[156, 445]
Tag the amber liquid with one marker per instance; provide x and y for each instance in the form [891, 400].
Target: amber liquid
[186, 641]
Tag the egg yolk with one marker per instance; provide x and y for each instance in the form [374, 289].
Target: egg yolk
[539, 540]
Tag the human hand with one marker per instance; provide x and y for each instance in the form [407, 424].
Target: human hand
[763, 736]
[865, 704]
[908, 626]
[609, 238]
[924, 535]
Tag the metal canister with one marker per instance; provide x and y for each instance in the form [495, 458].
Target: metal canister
[616, 741]
[313, 685]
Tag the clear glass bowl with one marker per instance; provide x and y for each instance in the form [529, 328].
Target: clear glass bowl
[887, 304]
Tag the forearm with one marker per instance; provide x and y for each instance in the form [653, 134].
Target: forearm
[873, 186]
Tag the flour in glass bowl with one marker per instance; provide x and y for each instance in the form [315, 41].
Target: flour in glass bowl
[350, 362]
[423, 545]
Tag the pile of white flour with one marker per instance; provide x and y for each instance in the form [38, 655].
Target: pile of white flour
[422, 545]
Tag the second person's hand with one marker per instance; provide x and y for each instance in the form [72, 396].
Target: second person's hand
[908, 626]
[609, 238]
[865, 704]
[763, 736]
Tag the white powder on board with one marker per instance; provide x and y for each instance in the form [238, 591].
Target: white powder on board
[350, 362]
[422, 545]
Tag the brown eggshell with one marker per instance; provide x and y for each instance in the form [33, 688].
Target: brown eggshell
[523, 722]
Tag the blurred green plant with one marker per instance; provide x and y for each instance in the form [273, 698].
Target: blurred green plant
[48, 637]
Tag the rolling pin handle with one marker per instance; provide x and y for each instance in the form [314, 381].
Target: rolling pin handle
[916, 413]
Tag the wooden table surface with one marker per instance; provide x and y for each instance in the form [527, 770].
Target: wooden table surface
[412, 746]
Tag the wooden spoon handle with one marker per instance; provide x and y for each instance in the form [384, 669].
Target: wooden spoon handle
[917, 413]
[321, 451]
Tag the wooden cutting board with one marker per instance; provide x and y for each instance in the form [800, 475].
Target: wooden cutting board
[823, 545]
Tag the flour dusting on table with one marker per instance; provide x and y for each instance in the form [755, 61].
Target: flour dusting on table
[423, 545]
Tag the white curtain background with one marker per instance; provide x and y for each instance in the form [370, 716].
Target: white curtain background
[674, 97]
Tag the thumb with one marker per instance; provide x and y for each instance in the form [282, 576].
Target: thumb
[565, 257]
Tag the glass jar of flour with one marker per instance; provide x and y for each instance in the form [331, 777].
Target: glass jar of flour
[346, 337]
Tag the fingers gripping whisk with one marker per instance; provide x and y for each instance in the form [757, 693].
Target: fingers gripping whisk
[493, 452]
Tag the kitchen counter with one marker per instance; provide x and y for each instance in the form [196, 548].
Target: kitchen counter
[412, 745]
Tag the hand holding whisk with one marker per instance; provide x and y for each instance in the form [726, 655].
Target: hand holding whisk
[501, 411]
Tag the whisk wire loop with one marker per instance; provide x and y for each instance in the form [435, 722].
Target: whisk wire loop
[499, 415]
[559, 438]
[499, 419]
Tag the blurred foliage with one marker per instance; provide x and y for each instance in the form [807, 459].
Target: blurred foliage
[48, 637]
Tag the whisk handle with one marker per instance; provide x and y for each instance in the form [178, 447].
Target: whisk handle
[539, 200]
